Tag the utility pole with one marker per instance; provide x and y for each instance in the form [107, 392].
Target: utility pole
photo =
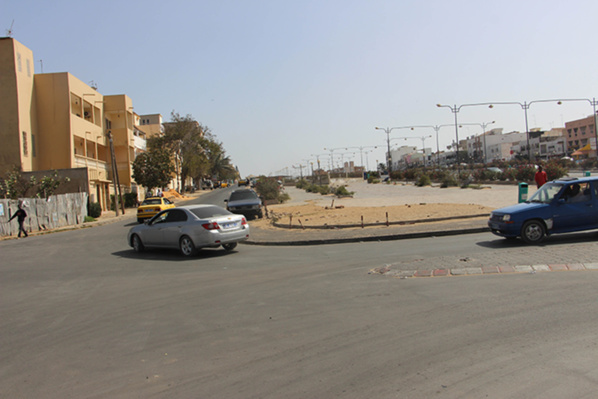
[116, 181]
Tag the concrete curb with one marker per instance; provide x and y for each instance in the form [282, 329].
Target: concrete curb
[386, 237]
[485, 270]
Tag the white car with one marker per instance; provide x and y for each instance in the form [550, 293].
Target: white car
[190, 228]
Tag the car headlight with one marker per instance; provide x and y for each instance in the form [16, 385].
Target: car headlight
[506, 218]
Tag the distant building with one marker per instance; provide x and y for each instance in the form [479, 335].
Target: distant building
[580, 132]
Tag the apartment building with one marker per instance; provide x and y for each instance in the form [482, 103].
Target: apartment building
[581, 132]
[55, 121]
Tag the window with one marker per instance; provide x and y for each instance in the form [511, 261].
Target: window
[33, 145]
[20, 68]
[25, 152]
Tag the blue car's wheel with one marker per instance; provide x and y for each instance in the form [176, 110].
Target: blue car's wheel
[533, 232]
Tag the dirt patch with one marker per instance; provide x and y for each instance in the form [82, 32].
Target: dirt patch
[310, 214]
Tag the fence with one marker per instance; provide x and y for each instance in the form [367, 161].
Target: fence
[57, 211]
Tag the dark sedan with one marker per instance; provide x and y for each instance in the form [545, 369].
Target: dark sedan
[245, 202]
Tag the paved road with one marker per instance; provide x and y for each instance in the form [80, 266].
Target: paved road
[91, 321]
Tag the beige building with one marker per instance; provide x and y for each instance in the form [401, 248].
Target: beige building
[580, 133]
[55, 121]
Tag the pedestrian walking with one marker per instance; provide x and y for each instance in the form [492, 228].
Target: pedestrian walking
[540, 177]
[20, 214]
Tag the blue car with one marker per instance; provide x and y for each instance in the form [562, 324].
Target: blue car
[560, 206]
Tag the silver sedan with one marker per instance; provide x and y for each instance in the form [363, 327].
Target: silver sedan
[189, 228]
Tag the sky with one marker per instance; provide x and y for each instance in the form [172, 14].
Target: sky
[282, 83]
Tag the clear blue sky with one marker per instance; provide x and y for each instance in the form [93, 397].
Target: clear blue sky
[277, 81]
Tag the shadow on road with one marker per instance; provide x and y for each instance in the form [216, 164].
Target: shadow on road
[173, 255]
[559, 239]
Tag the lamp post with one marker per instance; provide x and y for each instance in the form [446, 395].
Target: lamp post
[387, 131]
[483, 125]
[361, 151]
[436, 129]
[525, 106]
[455, 110]
[422, 138]
[331, 154]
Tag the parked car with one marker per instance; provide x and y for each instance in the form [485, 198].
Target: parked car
[190, 228]
[151, 206]
[245, 202]
[561, 206]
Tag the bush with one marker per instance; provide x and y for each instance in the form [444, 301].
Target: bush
[373, 179]
[130, 200]
[449, 181]
[424, 180]
[88, 219]
[526, 173]
[94, 210]
[314, 188]
[267, 188]
[302, 184]
[342, 191]
[554, 170]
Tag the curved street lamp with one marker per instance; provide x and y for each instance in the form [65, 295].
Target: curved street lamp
[525, 106]
[483, 125]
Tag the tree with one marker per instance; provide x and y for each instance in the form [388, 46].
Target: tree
[153, 168]
[48, 185]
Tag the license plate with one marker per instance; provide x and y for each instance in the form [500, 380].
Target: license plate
[229, 225]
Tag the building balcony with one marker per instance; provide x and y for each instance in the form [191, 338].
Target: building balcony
[98, 170]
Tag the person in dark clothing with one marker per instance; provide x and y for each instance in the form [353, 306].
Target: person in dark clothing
[20, 214]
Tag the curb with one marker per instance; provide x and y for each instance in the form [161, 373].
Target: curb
[484, 270]
[391, 237]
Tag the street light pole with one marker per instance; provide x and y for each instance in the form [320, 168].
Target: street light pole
[455, 110]
[387, 130]
[525, 106]
[483, 125]
[361, 151]
[423, 139]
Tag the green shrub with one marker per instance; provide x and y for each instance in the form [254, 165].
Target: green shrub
[554, 170]
[449, 181]
[283, 197]
[94, 209]
[88, 219]
[342, 191]
[373, 179]
[424, 180]
[267, 188]
[130, 200]
[525, 173]
[302, 184]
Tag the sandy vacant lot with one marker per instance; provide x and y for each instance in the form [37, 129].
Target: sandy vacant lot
[402, 202]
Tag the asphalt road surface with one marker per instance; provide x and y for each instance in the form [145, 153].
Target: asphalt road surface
[83, 316]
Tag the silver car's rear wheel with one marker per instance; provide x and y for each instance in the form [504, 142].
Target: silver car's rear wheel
[137, 244]
[187, 247]
[230, 246]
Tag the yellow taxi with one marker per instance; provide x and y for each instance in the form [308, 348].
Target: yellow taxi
[151, 206]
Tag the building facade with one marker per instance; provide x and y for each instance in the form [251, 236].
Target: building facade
[55, 121]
